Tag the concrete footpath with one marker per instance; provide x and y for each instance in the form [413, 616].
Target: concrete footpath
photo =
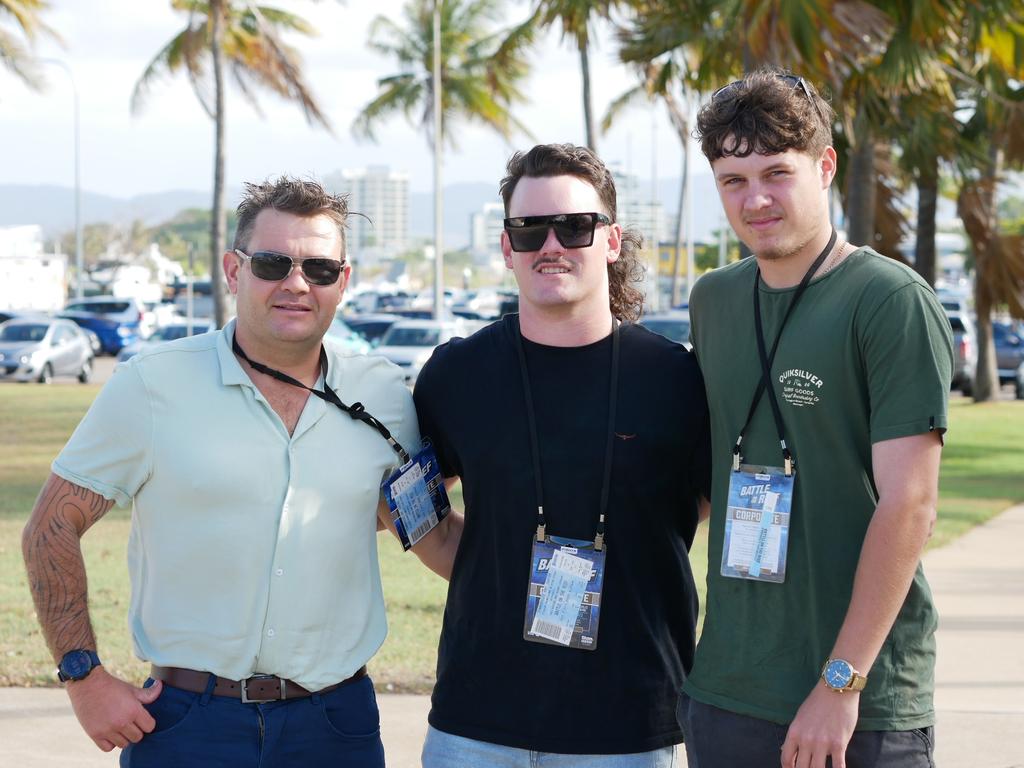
[978, 583]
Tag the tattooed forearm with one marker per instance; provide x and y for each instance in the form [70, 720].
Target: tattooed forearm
[51, 544]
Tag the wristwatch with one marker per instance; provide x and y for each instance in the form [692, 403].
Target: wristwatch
[77, 664]
[840, 676]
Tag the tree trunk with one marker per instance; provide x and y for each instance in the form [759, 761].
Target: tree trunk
[986, 380]
[927, 199]
[860, 186]
[218, 218]
[588, 110]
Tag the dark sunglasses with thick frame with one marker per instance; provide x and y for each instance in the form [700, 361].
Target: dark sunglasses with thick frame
[572, 230]
[274, 266]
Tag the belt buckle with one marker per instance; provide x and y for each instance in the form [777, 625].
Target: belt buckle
[245, 693]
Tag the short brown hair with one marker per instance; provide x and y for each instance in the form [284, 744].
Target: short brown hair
[302, 197]
[546, 160]
[769, 111]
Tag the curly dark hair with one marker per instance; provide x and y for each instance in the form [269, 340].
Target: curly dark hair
[625, 298]
[769, 111]
[302, 197]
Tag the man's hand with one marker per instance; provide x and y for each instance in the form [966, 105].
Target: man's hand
[110, 710]
[822, 728]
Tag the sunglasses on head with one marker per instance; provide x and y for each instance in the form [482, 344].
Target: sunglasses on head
[794, 80]
[269, 265]
[572, 230]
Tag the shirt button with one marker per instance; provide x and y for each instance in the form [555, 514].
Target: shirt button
[270, 633]
[279, 571]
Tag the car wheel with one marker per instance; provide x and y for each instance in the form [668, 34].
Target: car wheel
[46, 375]
[86, 372]
[967, 388]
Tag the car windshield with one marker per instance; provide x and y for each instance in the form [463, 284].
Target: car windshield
[411, 337]
[21, 332]
[676, 330]
[956, 324]
[98, 307]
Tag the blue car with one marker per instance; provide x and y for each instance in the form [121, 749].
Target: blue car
[113, 333]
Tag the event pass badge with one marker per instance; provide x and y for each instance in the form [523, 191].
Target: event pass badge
[416, 496]
[757, 523]
[563, 603]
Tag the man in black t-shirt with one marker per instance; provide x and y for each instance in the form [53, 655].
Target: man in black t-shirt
[582, 444]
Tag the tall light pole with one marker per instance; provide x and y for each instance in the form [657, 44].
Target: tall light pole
[438, 149]
[79, 265]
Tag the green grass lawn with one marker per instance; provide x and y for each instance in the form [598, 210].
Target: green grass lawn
[981, 475]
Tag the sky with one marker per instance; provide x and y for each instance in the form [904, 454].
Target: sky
[169, 145]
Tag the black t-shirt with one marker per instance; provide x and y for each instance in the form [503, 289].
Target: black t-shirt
[492, 685]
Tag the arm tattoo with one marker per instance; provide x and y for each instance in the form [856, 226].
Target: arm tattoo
[51, 544]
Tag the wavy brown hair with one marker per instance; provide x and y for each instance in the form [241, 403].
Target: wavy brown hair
[302, 197]
[625, 299]
[769, 111]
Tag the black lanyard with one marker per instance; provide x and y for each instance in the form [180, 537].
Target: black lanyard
[535, 445]
[767, 360]
[355, 411]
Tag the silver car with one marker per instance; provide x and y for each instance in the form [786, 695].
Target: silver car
[37, 349]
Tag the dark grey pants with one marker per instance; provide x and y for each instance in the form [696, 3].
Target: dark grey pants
[716, 738]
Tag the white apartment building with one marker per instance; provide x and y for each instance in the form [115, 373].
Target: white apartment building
[381, 195]
[636, 209]
[485, 233]
[29, 277]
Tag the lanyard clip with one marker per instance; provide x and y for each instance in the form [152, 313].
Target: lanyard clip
[540, 524]
[540, 533]
[736, 458]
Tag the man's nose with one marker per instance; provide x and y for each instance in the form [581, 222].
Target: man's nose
[757, 197]
[551, 243]
[296, 281]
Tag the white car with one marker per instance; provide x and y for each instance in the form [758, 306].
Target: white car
[37, 349]
[127, 311]
[409, 343]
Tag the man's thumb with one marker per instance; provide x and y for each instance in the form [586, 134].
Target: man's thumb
[149, 695]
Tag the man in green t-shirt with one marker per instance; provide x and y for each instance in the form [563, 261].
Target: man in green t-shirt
[819, 637]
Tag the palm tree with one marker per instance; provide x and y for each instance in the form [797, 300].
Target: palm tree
[246, 39]
[479, 81]
[15, 56]
[576, 18]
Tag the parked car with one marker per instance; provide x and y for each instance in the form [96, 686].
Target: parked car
[674, 325]
[39, 348]
[124, 310]
[1019, 383]
[965, 352]
[112, 333]
[410, 343]
[349, 339]
[160, 335]
[1009, 343]
[371, 327]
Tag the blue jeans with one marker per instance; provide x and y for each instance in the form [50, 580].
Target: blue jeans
[445, 750]
[339, 728]
[717, 738]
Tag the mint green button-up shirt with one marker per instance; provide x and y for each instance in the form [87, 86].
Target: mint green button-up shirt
[251, 551]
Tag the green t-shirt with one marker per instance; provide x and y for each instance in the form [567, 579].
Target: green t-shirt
[866, 356]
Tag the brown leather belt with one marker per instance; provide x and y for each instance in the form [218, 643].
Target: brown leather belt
[253, 690]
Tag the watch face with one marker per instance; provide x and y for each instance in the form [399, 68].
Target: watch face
[838, 674]
[76, 664]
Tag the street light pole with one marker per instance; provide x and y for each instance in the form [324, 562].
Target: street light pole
[438, 149]
[79, 249]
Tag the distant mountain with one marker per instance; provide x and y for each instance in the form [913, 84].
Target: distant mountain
[53, 207]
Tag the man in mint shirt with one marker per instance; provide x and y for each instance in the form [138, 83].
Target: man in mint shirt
[256, 592]
[818, 646]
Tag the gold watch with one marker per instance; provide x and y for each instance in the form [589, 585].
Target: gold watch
[840, 676]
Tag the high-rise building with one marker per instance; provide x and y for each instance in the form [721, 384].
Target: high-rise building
[382, 196]
[636, 209]
[485, 233]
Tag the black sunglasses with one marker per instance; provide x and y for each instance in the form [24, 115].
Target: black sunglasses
[269, 265]
[795, 80]
[572, 230]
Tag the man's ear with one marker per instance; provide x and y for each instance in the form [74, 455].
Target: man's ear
[506, 249]
[232, 263]
[614, 241]
[829, 165]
